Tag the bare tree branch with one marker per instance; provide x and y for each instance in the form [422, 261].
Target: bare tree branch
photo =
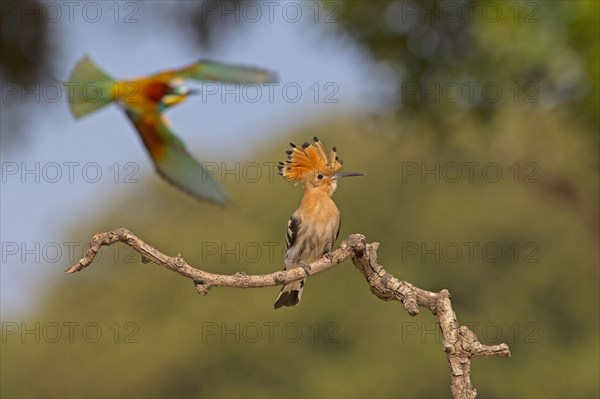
[459, 342]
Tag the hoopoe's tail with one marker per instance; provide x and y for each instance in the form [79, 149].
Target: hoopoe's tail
[290, 294]
[88, 88]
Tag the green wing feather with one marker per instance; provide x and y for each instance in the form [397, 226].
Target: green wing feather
[214, 71]
[173, 162]
[88, 88]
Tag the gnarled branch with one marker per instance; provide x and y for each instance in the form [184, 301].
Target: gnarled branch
[459, 342]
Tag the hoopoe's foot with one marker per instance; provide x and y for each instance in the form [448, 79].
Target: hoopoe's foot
[305, 266]
[329, 256]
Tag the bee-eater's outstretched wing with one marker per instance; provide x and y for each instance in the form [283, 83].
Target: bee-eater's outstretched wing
[171, 158]
[89, 88]
[214, 71]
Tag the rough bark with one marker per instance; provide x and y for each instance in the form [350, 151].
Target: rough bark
[459, 342]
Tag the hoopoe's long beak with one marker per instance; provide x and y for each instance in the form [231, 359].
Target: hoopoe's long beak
[347, 174]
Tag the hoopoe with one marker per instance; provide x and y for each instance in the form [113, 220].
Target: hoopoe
[315, 225]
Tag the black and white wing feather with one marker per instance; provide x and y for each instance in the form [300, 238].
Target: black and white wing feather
[291, 293]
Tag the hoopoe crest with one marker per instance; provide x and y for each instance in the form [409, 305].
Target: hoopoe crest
[315, 225]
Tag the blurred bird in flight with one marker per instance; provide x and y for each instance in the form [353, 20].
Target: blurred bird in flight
[315, 225]
[144, 101]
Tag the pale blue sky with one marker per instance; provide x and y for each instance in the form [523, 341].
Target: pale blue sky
[42, 212]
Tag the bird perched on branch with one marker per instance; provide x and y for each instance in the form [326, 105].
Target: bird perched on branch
[315, 225]
[144, 101]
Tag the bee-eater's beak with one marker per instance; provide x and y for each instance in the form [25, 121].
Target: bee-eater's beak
[347, 174]
[192, 92]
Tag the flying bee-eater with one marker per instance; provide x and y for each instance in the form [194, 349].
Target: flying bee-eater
[315, 225]
[144, 101]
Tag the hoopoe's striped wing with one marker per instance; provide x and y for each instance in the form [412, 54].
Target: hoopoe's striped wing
[213, 71]
[173, 162]
[292, 231]
[291, 293]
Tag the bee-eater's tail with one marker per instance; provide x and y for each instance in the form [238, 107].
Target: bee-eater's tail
[88, 88]
[290, 294]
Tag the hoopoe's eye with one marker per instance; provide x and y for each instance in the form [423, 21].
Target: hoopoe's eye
[320, 177]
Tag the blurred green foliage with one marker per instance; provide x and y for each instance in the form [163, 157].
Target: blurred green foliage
[551, 44]
[543, 303]
[540, 297]
[549, 50]
[25, 53]
[23, 46]
[415, 43]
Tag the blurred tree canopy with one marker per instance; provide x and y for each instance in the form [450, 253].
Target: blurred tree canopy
[26, 51]
[25, 48]
[442, 41]
[417, 45]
